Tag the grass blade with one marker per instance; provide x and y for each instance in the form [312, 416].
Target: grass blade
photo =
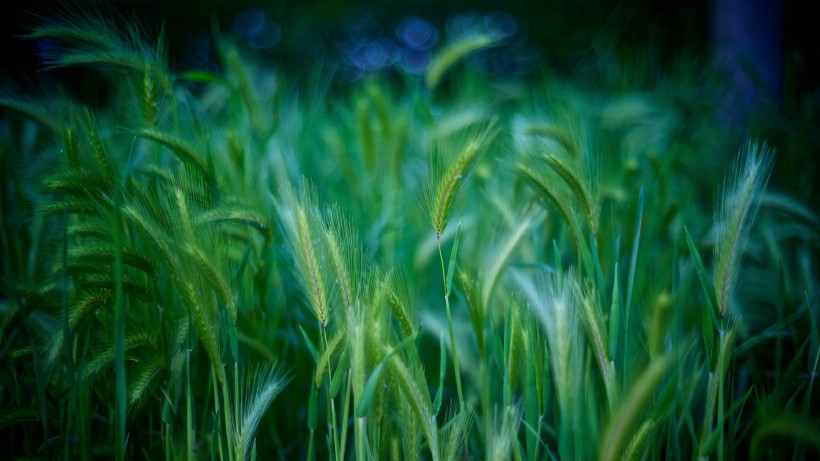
[441, 373]
[633, 262]
[615, 316]
[311, 348]
[705, 283]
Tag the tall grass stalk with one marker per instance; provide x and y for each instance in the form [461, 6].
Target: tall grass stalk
[447, 279]
[442, 194]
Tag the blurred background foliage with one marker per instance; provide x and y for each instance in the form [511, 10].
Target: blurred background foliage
[561, 30]
[592, 41]
[561, 33]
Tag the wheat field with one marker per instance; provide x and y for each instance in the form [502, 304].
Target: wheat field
[249, 264]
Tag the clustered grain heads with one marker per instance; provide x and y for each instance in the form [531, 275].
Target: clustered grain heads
[170, 238]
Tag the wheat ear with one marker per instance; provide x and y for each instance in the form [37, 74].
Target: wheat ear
[449, 183]
[736, 213]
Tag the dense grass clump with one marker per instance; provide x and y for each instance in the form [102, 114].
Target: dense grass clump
[254, 265]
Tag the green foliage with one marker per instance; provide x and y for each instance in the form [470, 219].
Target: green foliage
[260, 268]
